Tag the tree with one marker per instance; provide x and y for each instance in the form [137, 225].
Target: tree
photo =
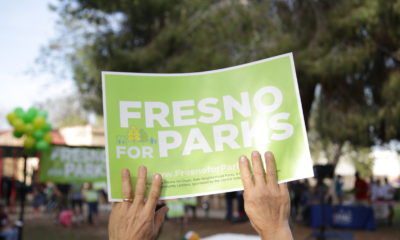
[347, 53]
[362, 161]
[212, 34]
[65, 111]
[357, 102]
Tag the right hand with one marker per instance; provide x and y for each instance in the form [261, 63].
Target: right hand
[137, 220]
[266, 202]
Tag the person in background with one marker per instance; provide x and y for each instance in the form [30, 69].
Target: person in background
[321, 192]
[62, 193]
[51, 197]
[229, 197]
[339, 189]
[241, 211]
[92, 199]
[7, 230]
[360, 190]
[267, 203]
[373, 189]
[306, 200]
[38, 199]
[190, 204]
[296, 191]
[205, 205]
[386, 193]
[77, 201]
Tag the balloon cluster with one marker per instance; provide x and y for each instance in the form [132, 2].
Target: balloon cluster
[31, 124]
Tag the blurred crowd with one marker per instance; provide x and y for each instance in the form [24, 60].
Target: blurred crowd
[75, 203]
[70, 205]
[377, 193]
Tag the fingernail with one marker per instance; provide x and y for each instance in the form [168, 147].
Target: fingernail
[255, 154]
[243, 159]
[125, 172]
[268, 154]
[157, 176]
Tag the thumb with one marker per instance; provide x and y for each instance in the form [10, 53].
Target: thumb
[159, 217]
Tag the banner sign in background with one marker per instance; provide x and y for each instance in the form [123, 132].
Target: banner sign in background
[176, 208]
[73, 164]
[191, 128]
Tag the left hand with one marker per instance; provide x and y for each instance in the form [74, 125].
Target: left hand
[137, 219]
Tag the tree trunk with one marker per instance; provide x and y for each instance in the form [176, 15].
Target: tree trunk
[307, 94]
[338, 154]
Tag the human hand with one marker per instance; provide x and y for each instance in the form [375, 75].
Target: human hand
[265, 201]
[137, 219]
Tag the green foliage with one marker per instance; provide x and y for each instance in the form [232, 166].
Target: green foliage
[362, 161]
[347, 49]
[390, 113]
[357, 69]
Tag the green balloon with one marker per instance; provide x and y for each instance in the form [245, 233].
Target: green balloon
[38, 134]
[42, 145]
[19, 112]
[34, 110]
[30, 115]
[39, 122]
[47, 127]
[17, 121]
[11, 117]
[29, 130]
[19, 125]
[29, 143]
[27, 118]
[48, 137]
[17, 134]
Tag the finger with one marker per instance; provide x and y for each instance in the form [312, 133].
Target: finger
[126, 184]
[140, 189]
[245, 172]
[159, 217]
[258, 169]
[154, 193]
[271, 169]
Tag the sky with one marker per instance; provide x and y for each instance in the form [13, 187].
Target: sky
[26, 26]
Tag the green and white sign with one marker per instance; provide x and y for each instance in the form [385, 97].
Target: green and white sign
[191, 128]
[176, 208]
[73, 164]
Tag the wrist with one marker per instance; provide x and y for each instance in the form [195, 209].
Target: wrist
[282, 233]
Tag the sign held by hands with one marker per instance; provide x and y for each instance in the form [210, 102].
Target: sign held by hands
[192, 127]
